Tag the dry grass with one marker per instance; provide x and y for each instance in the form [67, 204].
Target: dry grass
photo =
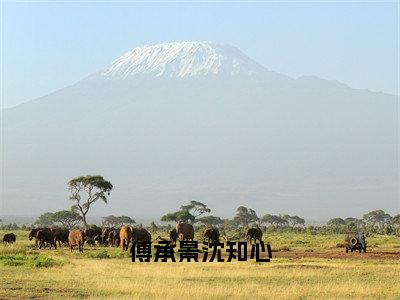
[283, 279]
[80, 276]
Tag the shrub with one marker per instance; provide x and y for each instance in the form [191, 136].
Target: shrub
[100, 255]
[41, 261]
[36, 261]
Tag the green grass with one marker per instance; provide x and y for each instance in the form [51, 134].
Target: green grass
[33, 260]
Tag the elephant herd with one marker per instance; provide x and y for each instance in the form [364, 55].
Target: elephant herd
[117, 237]
[61, 236]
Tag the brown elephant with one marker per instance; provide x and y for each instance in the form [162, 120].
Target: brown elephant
[76, 238]
[125, 235]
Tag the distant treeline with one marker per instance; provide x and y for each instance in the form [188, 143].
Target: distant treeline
[374, 222]
[85, 191]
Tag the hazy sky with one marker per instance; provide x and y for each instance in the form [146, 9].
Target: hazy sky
[46, 46]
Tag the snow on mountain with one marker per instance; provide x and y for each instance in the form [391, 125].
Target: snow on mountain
[182, 60]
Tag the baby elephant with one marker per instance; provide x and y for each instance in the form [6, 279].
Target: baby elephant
[9, 238]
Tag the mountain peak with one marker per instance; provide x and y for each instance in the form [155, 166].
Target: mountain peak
[183, 59]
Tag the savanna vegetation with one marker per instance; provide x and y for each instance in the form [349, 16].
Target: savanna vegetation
[307, 262]
[303, 266]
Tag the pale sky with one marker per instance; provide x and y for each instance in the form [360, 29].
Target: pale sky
[49, 45]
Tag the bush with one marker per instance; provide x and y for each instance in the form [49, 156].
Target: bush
[12, 260]
[36, 261]
[100, 255]
[41, 261]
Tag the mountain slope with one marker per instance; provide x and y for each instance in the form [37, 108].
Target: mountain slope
[176, 122]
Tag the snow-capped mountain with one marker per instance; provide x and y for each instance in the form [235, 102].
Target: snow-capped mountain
[183, 59]
[197, 120]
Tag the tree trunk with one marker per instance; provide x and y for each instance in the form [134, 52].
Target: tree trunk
[84, 221]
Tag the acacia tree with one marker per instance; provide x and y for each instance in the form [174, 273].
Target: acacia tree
[294, 220]
[377, 218]
[196, 208]
[179, 216]
[210, 221]
[67, 218]
[86, 190]
[187, 213]
[336, 222]
[45, 220]
[112, 221]
[278, 221]
[244, 216]
[396, 220]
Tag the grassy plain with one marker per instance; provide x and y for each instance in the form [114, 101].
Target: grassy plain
[104, 272]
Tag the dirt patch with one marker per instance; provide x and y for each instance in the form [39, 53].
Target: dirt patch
[339, 255]
[301, 266]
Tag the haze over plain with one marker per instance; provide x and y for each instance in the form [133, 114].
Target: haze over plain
[175, 122]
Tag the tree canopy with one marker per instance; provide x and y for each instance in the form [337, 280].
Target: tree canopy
[210, 221]
[115, 221]
[336, 222]
[244, 216]
[179, 216]
[377, 218]
[279, 221]
[396, 220]
[196, 208]
[187, 213]
[294, 220]
[67, 218]
[45, 220]
[86, 190]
